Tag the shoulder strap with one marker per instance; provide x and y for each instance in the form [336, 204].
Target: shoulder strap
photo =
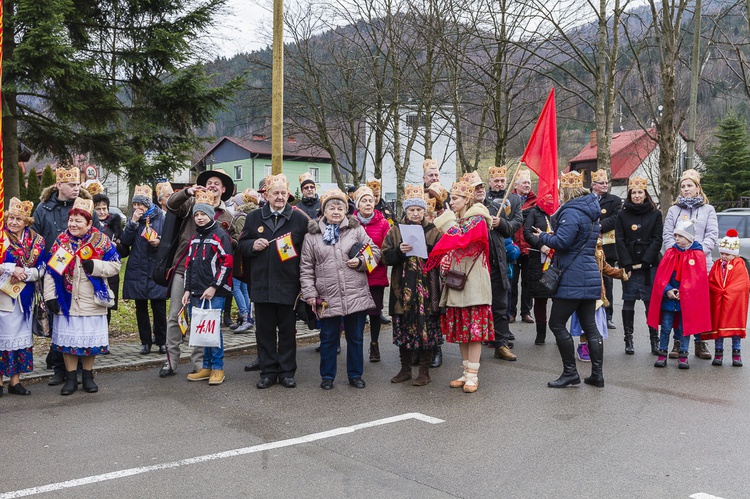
[593, 224]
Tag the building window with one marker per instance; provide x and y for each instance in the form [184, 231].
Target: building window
[414, 120]
[268, 170]
[315, 172]
[238, 172]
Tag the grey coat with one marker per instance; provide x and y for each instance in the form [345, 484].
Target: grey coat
[325, 275]
[706, 227]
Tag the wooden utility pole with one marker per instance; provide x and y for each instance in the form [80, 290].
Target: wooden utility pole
[694, 79]
[277, 90]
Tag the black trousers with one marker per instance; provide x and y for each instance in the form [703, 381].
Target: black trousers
[159, 309]
[521, 273]
[562, 309]
[277, 343]
[499, 308]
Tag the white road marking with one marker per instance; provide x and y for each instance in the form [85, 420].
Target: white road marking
[221, 455]
[703, 495]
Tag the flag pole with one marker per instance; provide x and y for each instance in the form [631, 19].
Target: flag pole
[2, 175]
[507, 187]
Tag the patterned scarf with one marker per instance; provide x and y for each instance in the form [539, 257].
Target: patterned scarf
[331, 234]
[689, 203]
[469, 238]
[26, 251]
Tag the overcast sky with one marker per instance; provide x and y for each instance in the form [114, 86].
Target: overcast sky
[238, 27]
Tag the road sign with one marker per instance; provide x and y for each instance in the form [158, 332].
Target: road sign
[91, 172]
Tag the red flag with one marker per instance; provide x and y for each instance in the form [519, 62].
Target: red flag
[541, 155]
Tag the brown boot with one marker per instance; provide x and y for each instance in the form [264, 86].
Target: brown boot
[675, 350]
[425, 357]
[405, 373]
[374, 351]
[701, 350]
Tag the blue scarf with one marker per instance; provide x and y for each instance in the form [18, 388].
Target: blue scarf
[690, 203]
[331, 234]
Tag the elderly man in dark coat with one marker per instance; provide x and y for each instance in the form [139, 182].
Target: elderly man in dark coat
[271, 244]
[609, 207]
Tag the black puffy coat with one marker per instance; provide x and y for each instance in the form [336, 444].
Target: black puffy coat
[609, 207]
[638, 234]
[139, 273]
[310, 206]
[536, 217]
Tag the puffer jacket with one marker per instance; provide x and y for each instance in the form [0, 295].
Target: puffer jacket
[377, 229]
[310, 206]
[325, 275]
[139, 271]
[82, 300]
[577, 227]
[536, 218]
[51, 215]
[478, 290]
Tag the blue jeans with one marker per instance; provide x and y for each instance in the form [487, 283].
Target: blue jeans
[736, 343]
[667, 323]
[241, 297]
[213, 358]
[330, 336]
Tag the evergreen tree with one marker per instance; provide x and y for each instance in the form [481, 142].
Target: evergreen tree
[48, 177]
[33, 190]
[728, 166]
[21, 184]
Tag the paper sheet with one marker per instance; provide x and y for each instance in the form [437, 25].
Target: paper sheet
[414, 236]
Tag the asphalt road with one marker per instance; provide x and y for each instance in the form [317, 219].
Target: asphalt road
[649, 433]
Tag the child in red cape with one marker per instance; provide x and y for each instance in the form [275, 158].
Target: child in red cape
[680, 294]
[729, 286]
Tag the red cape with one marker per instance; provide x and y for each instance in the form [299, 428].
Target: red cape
[694, 296]
[729, 299]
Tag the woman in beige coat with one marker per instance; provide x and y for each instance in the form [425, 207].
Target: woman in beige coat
[333, 275]
[76, 291]
[464, 247]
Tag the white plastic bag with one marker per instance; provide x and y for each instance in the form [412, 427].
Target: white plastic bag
[205, 327]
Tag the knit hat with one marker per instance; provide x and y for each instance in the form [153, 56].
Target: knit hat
[686, 228]
[142, 195]
[362, 192]
[204, 202]
[414, 196]
[730, 243]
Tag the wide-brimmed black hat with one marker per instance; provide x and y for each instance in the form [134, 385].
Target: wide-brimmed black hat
[226, 180]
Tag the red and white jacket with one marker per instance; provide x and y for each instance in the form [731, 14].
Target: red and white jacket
[209, 261]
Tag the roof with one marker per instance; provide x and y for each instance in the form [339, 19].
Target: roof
[262, 147]
[628, 150]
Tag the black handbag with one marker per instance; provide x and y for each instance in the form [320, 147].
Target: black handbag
[552, 276]
[39, 321]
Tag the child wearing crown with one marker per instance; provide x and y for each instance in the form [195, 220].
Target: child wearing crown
[680, 293]
[729, 286]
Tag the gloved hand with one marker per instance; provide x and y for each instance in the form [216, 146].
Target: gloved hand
[645, 266]
[628, 268]
[88, 266]
[52, 307]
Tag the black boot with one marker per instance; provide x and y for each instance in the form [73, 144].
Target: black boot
[425, 356]
[541, 333]
[653, 336]
[596, 352]
[71, 383]
[405, 373]
[568, 355]
[437, 357]
[628, 318]
[88, 382]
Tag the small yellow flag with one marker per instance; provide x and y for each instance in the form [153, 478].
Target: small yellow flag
[182, 321]
[60, 260]
[285, 247]
[369, 258]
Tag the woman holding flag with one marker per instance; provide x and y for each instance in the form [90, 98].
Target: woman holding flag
[76, 290]
[336, 257]
[22, 261]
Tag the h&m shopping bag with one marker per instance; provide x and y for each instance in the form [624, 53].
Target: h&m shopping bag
[205, 327]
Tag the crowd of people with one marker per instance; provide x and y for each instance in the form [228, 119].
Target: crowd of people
[460, 262]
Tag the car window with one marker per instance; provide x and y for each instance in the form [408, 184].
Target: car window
[729, 221]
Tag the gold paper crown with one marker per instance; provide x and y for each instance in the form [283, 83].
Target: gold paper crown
[431, 202]
[691, 175]
[429, 164]
[94, 187]
[498, 171]
[72, 175]
[249, 195]
[305, 176]
[374, 184]
[463, 189]
[20, 208]
[523, 175]
[472, 178]
[142, 190]
[204, 197]
[363, 191]
[334, 194]
[436, 189]
[276, 181]
[413, 192]
[164, 188]
[571, 180]
[84, 204]
[599, 175]
[637, 183]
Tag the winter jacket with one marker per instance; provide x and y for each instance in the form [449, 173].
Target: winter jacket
[324, 273]
[514, 218]
[536, 218]
[311, 206]
[139, 271]
[239, 216]
[638, 235]
[270, 280]
[377, 229]
[510, 221]
[577, 227]
[706, 227]
[392, 256]
[525, 209]
[51, 215]
[609, 207]
[82, 294]
[181, 204]
[209, 261]
[477, 290]
[383, 208]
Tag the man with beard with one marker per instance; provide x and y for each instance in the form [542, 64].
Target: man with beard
[610, 206]
[310, 202]
[220, 184]
[528, 201]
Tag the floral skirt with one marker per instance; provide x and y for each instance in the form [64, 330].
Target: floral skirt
[83, 336]
[468, 324]
[406, 333]
[16, 362]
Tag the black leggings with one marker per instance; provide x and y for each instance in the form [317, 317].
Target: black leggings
[562, 309]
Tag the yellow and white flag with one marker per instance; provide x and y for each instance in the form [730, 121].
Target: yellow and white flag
[369, 258]
[285, 247]
[60, 260]
[183, 321]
